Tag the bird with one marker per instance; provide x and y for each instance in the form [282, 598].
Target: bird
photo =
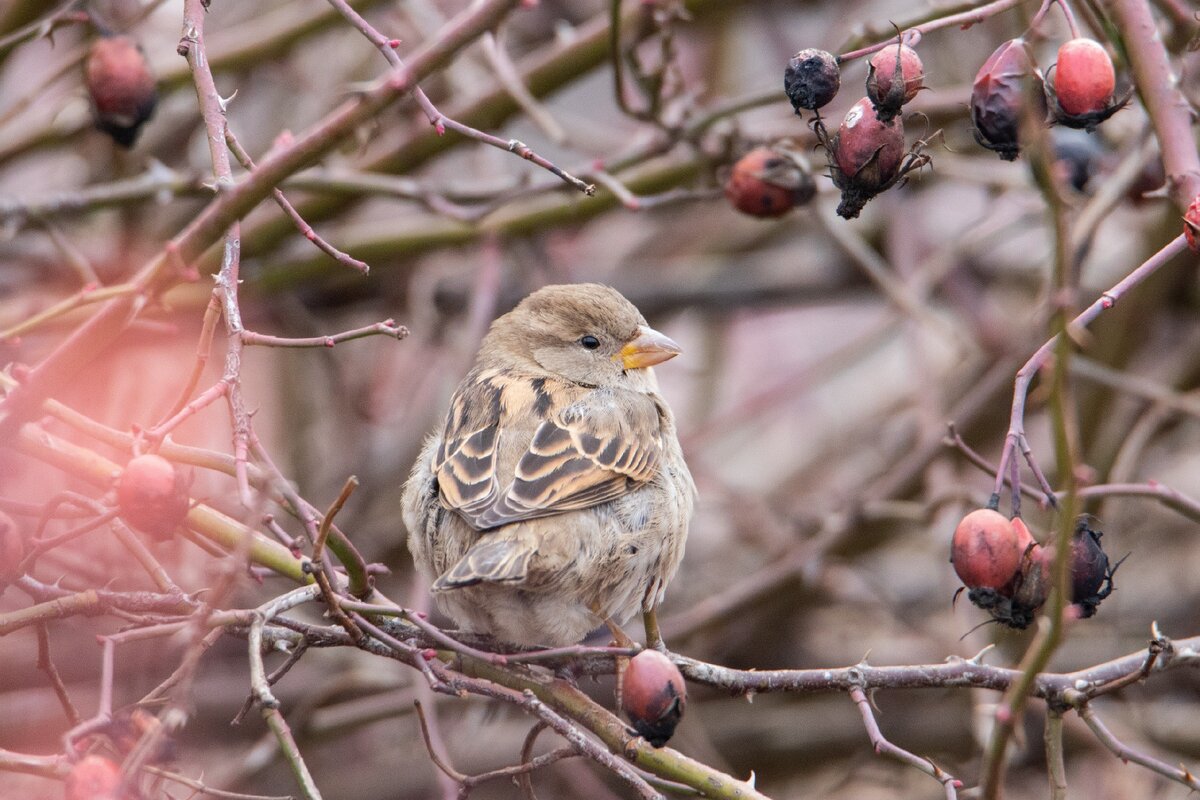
[555, 498]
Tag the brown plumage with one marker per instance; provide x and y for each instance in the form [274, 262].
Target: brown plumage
[556, 494]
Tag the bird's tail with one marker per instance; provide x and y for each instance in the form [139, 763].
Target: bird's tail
[490, 561]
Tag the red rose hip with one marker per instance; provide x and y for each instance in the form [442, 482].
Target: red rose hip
[1084, 78]
[895, 74]
[121, 87]
[985, 550]
[767, 183]
[152, 495]
[653, 696]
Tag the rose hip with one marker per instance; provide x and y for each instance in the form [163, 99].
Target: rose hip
[985, 550]
[653, 696]
[1084, 77]
[768, 183]
[152, 495]
[894, 76]
[998, 96]
[812, 78]
[121, 87]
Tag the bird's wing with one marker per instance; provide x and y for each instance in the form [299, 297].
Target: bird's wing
[465, 462]
[590, 452]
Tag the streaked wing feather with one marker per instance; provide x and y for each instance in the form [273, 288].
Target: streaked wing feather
[465, 464]
[580, 460]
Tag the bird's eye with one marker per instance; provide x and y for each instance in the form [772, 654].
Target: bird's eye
[590, 342]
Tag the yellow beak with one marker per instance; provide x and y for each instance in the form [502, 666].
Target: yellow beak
[646, 349]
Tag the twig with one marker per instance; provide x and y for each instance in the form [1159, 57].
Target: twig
[203, 349]
[305, 229]
[86, 296]
[1055, 768]
[261, 687]
[439, 121]
[319, 563]
[1015, 438]
[882, 745]
[46, 664]
[1124, 752]
[964, 19]
[386, 328]
[1158, 87]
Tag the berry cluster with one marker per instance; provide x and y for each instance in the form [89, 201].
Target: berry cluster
[867, 155]
[1009, 575]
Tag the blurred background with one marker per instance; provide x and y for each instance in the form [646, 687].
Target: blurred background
[823, 360]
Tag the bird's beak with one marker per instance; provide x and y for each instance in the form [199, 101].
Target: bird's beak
[646, 349]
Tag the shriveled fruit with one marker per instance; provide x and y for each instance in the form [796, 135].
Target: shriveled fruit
[1017, 604]
[152, 495]
[1030, 590]
[985, 550]
[998, 95]
[1078, 157]
[866, 157]
[121, 87]
[1084, 77]
[768, 183]
[894, 76]
[653, 696]
[811, 79]
[1091, 571]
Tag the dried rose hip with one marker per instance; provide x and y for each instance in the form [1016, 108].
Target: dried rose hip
[1078, 157]
[1084, 80]
[866, 156]
[653, 696]
[1191, 224]
[998, 95]
[1033, 583]
[894, 76]
[985, 550]
[1091, 573]
[811, 79]
[152, 495]
[94, 778]
[121, 87]
[768, 183]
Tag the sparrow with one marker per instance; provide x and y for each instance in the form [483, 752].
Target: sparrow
[555, 498]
